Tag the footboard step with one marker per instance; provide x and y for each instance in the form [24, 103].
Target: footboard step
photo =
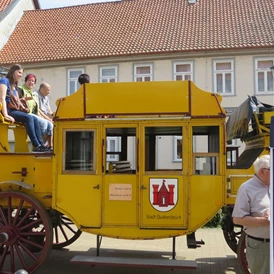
[133, 262]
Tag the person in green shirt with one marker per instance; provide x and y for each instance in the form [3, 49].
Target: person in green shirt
[33, 104]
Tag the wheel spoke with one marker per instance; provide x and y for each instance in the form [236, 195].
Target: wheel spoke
[9, 210]
[4, 256]
[65, 231]
[30, 233]
[19, 208]
[56, 235]
[31, 243]
[65, 218]
[12, 261]
[26, 216]
[31, 255]
[21, 258]
[3, 218]
[28, 229]
[31, 225]
[68, 226]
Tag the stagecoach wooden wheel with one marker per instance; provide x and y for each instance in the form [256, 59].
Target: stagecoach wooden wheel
[25, 232]
[241, 253]
[231, 232]
[232, 237]
[64, 230]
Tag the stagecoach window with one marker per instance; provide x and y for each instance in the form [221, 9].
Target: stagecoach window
[120, 150]
[79, 151]
[247, 158]
[232, 152]
[163, 148]
[206, 147]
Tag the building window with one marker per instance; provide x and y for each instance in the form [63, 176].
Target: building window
[108, 74]
[142, 73]
[178, 148]
[113, 145]
[263, 76]
[183, 71]
[224, 77]
[73, 84]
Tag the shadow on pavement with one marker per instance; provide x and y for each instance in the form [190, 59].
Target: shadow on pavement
[59, 263]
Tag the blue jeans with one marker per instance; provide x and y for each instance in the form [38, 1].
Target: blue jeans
[45, 125]
[32, 126]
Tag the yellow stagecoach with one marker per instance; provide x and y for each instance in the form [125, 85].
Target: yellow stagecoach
[131, 161]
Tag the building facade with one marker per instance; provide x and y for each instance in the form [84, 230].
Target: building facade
[224, 46]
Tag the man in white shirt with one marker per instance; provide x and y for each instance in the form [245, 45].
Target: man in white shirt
[44, 106]
[252, 210]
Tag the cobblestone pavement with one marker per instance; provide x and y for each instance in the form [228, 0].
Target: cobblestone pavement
[215, 257]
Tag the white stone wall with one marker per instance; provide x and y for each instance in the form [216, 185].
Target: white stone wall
[203, 76]
[165, 153]
[9, 20]
[56, 76]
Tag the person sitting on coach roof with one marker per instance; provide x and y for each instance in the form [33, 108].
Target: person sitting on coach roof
[8, 85]
[83, 79]
[33, 102]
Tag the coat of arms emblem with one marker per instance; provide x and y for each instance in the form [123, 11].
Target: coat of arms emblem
[163, 193]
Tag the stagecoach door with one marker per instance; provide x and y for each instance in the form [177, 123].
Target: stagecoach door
[207, 151]
[120, 175]
[163, 185]
[78, 191]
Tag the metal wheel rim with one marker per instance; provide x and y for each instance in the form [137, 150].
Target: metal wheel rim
[241, 254]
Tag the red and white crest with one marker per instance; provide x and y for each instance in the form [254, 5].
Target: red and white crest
[163, 193]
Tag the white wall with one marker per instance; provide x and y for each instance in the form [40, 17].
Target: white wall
[9, 20]
[165, 153]
[203, 76]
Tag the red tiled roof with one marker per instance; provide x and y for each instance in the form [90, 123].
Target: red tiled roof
[133, 27]
[4, 4]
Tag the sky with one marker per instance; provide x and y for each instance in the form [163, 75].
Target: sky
[48, 4]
